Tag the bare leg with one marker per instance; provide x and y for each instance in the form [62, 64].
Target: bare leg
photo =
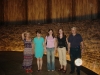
[64, 67]
[38, 63]
[41, 62]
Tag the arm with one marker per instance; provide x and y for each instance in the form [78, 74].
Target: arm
[69, 47]
[67, 41]
[32, 48]
[44, 47]
[23, 36]
[82, 46]
[55, 44]
[45, 44]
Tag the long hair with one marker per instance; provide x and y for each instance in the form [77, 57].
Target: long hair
[26, 35]
[52, 33]
[59, 33]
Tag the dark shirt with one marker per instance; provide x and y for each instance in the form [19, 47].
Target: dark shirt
[61, 41]
[75, 40]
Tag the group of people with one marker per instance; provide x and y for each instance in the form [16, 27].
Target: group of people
[50, 45]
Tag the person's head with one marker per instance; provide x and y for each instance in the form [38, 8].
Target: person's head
[27, 35]
[73, 30]
[38, 33]
[61, 31]
[50, 32]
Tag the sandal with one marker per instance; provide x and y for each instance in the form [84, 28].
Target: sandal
[30, 71]
[64, 71]
[60, 69]
[27, 71]
[38, 70]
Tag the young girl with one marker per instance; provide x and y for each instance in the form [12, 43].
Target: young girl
[28, 52]
[39, 49]
[62, 40]
[50, 42]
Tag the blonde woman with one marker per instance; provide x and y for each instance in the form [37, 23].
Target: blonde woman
[28, 52]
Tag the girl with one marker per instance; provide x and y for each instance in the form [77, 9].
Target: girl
[28, 52]
[38, 42]
[50, 42]
[62, 40]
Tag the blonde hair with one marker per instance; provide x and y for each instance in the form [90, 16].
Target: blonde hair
[27, 33]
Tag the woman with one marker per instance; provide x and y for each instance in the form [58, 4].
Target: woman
[39, 49]
[50, 42]
[28, 52]
[62, 40]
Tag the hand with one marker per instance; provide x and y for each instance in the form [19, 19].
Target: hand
[45, 51]
[55, 51]
[68, 51]
[82, 51]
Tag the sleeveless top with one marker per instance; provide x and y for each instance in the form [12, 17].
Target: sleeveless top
[50, 42]
[61, 41]
[27, 44]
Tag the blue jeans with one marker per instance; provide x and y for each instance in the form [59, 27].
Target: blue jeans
[50, 59]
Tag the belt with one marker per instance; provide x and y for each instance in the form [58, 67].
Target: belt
[76, 47]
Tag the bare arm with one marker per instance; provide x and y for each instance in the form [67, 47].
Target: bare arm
[23, 36]
[66, 40]
[82, 46]
[45, 44]
[32, 48]
[55, 44]
[69, 47]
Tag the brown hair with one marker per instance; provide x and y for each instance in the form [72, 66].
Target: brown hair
[59, 34]
[52, 34]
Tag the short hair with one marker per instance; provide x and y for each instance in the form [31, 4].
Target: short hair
[73, 28]
[38, 31]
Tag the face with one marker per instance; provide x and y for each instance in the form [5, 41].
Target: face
[27, 35]
[38, 34]
[73, 31]
[50, 32]
[60, 31]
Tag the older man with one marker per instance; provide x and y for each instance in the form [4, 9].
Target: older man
[75, 47]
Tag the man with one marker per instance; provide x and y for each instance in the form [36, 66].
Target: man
[75, 47]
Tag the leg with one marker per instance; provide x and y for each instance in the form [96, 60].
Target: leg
[48, 60]
[53, 59]
[41, 62]
[72, 62]
[38, 63]
[64, 58]
[78, 55]
[60, 57]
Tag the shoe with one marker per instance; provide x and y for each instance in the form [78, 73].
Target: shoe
[64, 71]
[38, 70]
[60, 69]
[30, 71]
[71, 72]
[48, 70]
[52, 70]
[27, 71]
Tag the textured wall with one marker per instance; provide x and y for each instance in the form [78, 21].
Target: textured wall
[15, 10]
[1, 11]
[47, 11]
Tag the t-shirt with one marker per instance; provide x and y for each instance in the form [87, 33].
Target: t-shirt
[50, 41]
[61, 41]
[75, 40]
[38, 43]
